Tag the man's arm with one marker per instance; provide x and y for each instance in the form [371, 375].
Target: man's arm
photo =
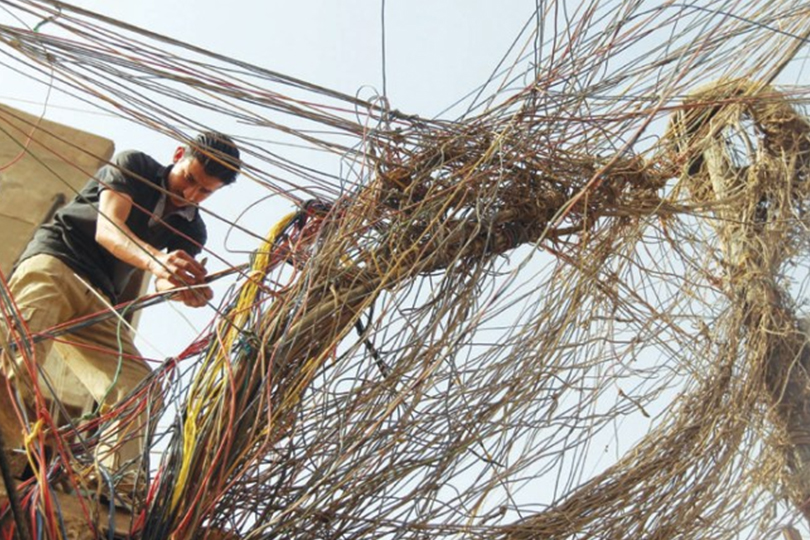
[174, 269]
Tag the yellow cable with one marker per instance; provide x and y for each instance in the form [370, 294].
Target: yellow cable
[35, 431]
[208, 386]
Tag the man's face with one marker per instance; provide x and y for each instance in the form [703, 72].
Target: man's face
[188, 182]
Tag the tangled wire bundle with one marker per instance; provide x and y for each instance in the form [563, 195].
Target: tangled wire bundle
[442, 344]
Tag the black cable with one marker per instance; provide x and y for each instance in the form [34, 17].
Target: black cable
[381, 365]
[22, 532]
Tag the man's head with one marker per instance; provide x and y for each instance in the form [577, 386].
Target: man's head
[208, 163]
[218, 155]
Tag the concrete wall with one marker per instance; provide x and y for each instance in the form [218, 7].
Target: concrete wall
[42, 165]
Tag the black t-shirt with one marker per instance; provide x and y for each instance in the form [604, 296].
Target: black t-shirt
[70, 236]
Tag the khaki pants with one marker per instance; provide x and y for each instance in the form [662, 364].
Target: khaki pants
[48, 293]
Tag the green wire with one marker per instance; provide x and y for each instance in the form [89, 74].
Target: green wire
[46, 20]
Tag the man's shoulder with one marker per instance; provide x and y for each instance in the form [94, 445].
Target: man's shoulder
[135, 160]
[132, 172]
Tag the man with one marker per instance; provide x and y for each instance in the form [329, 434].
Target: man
[77, 264]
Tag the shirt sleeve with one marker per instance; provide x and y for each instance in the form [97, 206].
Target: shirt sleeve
[129, 173]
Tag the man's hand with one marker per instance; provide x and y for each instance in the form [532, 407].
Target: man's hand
[196, 297]
[178, 268]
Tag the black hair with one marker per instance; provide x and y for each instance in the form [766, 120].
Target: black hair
[218, 155]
